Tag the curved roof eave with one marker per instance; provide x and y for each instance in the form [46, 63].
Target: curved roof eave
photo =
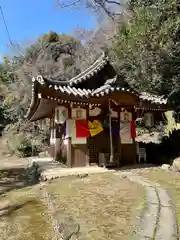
[97, 66]
[34, 102]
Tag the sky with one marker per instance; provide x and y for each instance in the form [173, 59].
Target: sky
[28, 19]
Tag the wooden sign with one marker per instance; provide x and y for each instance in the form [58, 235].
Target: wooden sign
[61, 114]
[126, 116]
[78, 113]
[94, 112]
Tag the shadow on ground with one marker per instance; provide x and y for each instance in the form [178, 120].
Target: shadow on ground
[15, 178]
[10, 209]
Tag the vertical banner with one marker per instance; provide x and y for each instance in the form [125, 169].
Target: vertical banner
[125, 133]
[95, 127]
[115, 128]
[82, 129]
[133, 129]
[64, 129]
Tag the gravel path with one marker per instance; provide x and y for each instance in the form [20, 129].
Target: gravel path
[159, 219]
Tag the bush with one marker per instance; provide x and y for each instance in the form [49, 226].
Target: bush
[22, 143]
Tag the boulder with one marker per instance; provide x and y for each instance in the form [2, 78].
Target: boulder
[176, 165]
[166, 167]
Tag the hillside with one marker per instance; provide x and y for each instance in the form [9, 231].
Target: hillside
[53, 56]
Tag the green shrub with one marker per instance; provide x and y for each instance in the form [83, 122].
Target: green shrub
[22, 143]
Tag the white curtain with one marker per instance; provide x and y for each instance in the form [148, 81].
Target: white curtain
[61, 114]
[125, 132]
[53, 136]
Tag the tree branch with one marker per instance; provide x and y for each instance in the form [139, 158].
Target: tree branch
[68, 4]
[112, 2]
[102, 4]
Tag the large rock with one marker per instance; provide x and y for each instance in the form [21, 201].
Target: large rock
[176, 165]
[166, 167]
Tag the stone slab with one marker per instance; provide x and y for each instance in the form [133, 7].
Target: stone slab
[63, 172]
[141, 238]
[152, 195]
[164, 197]
[167, 226]
[45, 159]
[148, 222]
[138, 180]
[121, 173]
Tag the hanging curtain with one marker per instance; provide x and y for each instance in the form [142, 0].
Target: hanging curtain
[115, 128]
[95, 127]
[125, 133]
[133, 129]
[82, 129]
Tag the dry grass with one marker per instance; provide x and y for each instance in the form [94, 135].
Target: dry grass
[169, 181]
[24, 217]
[22, 214]
[104, 205]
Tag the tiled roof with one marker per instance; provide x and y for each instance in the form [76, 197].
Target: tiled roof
[69, 90]
[149, 138]
[91, 71]
[153, 98]
[105, 89]
[144, 136]
[73, 91]
[111, 81]
[39, 83]
[109, 87]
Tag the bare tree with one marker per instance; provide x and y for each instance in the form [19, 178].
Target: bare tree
[112, 8]
[99, 39]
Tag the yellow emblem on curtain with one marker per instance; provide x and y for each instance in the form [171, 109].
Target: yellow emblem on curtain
[95, 127]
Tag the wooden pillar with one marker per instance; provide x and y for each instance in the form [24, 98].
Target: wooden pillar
[87, 151]
[120, 147]
[69, 153]
[110, 135]
[54, 137]
[134, 141]
[87, 159]
[68, 139]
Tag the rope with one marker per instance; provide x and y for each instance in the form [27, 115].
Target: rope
[7, 31]
[6, 27]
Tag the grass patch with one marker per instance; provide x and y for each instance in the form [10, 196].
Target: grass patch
[104, 205]
[169, 181]
[24, 217]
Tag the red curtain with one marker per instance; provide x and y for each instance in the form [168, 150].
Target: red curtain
[133, 129]
[82, 129]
